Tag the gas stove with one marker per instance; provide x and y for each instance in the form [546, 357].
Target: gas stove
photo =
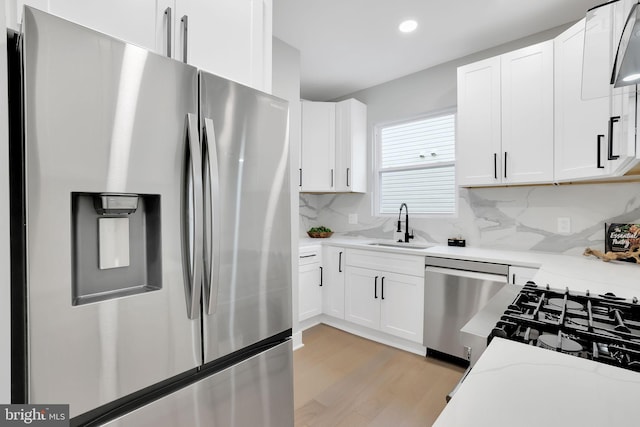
[604, 328]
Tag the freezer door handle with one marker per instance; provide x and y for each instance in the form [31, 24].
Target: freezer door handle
[192, 219]
[212, 217]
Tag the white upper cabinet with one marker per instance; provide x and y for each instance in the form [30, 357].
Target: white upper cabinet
[527, 114]
[603, 29]
[479, 128]
[133, 21]
[318, 146]
[621, 146]
[230, 38]
[226, 37]
[581, 133]
[334, 147]
[505, 118]
[351, 146]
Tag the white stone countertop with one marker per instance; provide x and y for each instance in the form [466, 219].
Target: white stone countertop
[514, 384]
[577, 272]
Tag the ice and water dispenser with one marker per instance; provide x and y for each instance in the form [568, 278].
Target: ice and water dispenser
[116, 245]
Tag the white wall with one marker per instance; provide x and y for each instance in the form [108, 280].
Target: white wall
[286, 84]
[5, 306]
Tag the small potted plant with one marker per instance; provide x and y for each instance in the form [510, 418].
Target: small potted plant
[320, 232]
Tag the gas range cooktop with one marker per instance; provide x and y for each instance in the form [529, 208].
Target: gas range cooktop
[604, 328]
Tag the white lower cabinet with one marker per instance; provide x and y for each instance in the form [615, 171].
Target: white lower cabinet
[401, 306]
[386, 301]
[521, 275]
[333, 263]
[381, 291]
[310, 284]
[362, 305]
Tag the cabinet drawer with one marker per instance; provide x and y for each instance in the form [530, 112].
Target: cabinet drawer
[396, 263]
[310, 255]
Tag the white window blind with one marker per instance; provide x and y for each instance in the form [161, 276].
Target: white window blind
[416, 166]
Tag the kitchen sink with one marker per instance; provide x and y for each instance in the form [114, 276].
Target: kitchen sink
[401, 245]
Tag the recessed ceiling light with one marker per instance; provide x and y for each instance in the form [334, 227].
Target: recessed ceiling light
[631, 77]
[408, 26]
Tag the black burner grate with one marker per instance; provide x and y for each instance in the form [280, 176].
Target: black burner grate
[604, 328]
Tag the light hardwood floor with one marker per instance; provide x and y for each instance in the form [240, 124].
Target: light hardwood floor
[344, 380]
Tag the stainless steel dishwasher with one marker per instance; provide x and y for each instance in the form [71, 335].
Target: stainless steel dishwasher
[454, 291]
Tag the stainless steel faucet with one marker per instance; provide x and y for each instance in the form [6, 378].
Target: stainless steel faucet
[407, 236]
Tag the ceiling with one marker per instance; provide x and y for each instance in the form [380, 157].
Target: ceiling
[349, 45]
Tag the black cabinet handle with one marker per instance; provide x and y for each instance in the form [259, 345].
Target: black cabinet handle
[348, 185]
[495, 165]
[514, 279]
[300, 177]
[307, 256]
[340, 262]
[375, 288]
[382, 286]
[612, 120]
[185, 34]
[599, 151]
[320, 276]
[505, 164]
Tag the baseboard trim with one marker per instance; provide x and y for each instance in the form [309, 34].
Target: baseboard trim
[297, 341]
[364, 332]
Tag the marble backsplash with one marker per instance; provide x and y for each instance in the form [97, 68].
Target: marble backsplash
[519, 218]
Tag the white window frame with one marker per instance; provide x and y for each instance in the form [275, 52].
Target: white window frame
[377, 170]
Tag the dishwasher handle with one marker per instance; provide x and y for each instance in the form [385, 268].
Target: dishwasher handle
[469, 274]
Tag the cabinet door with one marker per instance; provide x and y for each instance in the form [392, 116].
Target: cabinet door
[333, 259]
[351, 146]
[131, 21]
[318, 146]
[362, 297]
[527, 114]
[478, 143]
[402, 305]
[621, 150]
[226, 37]
[309, 291]
[581, 132]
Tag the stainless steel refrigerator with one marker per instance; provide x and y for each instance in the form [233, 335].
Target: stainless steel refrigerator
[151, 280]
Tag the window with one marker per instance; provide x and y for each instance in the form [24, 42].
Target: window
[416, 166]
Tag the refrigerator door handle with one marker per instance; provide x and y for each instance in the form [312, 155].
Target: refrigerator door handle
[212, 264]
[192, 220]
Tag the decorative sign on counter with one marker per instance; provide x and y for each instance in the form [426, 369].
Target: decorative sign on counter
[621, 242]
